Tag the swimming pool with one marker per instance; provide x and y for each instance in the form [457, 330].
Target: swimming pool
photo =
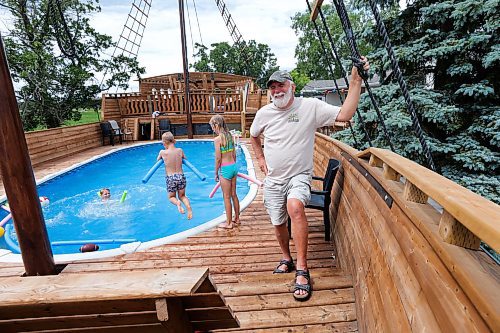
[145, 218]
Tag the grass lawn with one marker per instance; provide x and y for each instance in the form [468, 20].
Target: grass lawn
[88, 116]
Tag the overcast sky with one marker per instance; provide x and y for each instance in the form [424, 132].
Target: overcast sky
[267, 22]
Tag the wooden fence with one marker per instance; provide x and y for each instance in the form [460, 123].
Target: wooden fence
[51, 144]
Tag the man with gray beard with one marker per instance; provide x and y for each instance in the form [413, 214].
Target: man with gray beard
[288, 125]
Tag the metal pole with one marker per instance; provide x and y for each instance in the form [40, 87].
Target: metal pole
[187, 103]
[19, 181]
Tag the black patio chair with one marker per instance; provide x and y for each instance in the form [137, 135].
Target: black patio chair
[107, 131]
[117, 131]
[163, 126]
[321, 200]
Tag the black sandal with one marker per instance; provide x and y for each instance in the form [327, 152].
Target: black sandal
[307, 287]
[289, 266]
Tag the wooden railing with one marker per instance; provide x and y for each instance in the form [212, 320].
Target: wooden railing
[467, 218]
[173, 103]
[406, 275]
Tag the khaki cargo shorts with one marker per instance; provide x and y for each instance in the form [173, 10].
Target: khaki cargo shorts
[277, 194]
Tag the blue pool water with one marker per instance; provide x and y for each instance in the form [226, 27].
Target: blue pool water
[76, 212]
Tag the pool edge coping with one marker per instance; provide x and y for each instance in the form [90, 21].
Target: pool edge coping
[7, 256]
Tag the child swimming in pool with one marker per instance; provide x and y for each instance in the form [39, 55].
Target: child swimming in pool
[174, 175]
[225, 161]
[105, 194]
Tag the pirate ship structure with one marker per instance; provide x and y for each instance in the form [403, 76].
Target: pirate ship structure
[400, 252]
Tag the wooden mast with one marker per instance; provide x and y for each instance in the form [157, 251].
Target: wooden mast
[19, 181]
[187, 102]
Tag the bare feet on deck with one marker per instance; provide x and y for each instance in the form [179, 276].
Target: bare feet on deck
[226, 226]
[236, 221]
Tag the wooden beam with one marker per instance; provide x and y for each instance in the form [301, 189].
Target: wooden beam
[102, 286]
[458, 201]
[455, 233]
[19, 181]
[315, 9]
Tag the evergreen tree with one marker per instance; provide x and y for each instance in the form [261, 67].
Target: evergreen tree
[449, 53]
[53, 53]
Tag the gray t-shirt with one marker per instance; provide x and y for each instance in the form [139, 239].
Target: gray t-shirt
[289, 135]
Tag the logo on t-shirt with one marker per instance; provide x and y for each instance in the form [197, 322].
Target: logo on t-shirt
[293, 118]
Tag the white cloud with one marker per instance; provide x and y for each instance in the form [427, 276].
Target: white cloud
[160, 53]
[267, 22]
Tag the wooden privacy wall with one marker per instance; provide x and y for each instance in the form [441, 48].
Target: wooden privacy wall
[60, 142]
[406, 278]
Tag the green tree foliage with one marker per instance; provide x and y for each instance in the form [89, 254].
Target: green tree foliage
[53, 53]
[449, 53]
[312, 62]
[250, 59]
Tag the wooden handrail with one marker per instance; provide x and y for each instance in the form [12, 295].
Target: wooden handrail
[478, 215]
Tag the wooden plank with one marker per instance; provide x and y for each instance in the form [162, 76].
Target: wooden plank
[285, 300]
[61, 323]
[297, 316]
[99, 286]
[461, 203]
[74, 309]
[345, 327]
[474, 280]
[315, 8]
[204, 300]
[441, 289]
[282, 285]
[142, 328]
[419, 314]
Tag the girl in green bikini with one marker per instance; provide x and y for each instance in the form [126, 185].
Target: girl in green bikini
[225, 161]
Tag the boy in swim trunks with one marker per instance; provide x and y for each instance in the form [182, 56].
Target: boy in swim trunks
[175, 178]
[225, 161]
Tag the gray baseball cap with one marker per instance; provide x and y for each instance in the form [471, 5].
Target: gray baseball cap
[279, 76]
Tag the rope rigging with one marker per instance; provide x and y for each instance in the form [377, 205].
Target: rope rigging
[198, 22]
[356, 57]
[402, 84]
[344, 76]
[234, 32]
[332, 73]
[133, 30]
[189, 23]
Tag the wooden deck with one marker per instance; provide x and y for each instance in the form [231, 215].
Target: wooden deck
[241, 263]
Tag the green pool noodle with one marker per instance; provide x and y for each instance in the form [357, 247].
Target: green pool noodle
[124, 195]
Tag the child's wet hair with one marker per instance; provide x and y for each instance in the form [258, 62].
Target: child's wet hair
[219, 121]
[168, 137]
[104, 189]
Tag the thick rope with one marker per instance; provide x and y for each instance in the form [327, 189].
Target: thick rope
[346, 24]
[344, 76]
[332, 73]
[402, 84]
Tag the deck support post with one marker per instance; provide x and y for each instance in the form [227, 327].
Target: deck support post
[19, 181]
[172, 316]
